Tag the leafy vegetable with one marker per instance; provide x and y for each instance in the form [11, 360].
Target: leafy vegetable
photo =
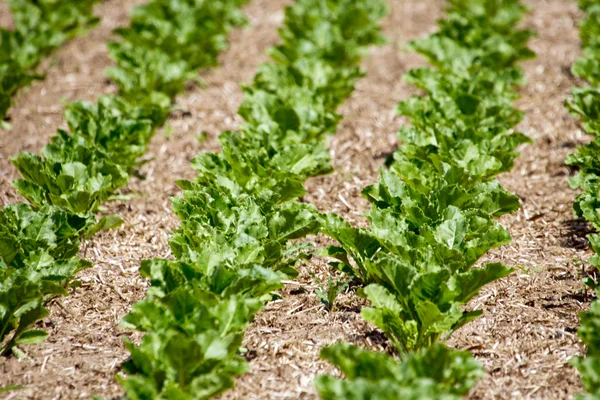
[23, 293]
[165, 45]
[327, 294]
[40, 27]
[27, 233]
[195, 317]
[120, 130]
[588, 367]
[433, 373]
[82, 169]
[240, 215]
[432, 212]
[71, 175]
[38, 261]
[585, 105]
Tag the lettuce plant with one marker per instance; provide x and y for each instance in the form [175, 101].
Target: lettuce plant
[240, 215]
[83, 168]
[585, 105]
[433, 211]
[40, 27]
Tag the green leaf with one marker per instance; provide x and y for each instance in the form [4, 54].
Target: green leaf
[105, 223]
[10, 388]
[434, 373]
[184, 355]
[32, 337]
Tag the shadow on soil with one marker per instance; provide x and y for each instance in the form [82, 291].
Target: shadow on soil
[575, 236]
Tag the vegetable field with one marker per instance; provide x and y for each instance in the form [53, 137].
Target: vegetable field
[228, 209]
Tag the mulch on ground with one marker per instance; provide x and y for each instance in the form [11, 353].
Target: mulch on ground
[528, 332]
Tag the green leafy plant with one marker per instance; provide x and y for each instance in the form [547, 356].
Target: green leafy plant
[329, 292]
[240, 216]
[38, 263]
[194, 316]
[432, 373]
[40, 27]
[585, 105]
[588, 367]
[433, 211]
[71, 175]
[85, 167]
[166, 43]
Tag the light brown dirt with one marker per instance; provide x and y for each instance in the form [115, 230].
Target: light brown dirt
[6, 21]
[527, 333]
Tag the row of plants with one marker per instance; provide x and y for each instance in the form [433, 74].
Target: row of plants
[40, 27]
[241, 214]
[434, 210]
[161, 51]
[585, 105]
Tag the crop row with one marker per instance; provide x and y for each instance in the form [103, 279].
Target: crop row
[167, 42]
[40, 27]
[241, 213]
[434, 209]
[585, 104]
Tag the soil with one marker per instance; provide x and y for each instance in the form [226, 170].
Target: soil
[6, 20]
[528, 331]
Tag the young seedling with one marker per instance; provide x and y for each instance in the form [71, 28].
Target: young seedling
[328, 294]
